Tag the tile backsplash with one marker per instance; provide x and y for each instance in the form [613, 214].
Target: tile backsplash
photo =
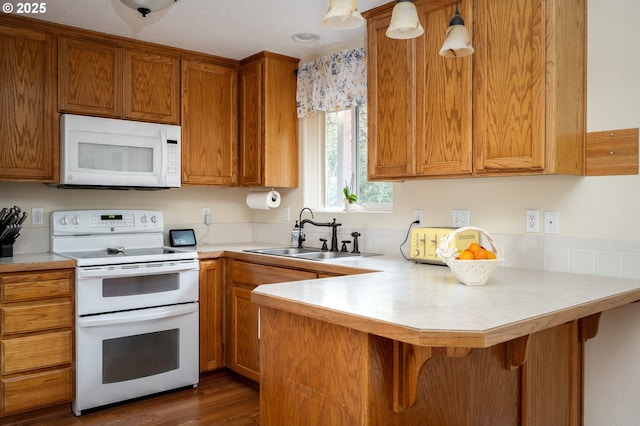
[602, 257]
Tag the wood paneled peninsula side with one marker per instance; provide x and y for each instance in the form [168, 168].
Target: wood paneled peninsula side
[411, 346]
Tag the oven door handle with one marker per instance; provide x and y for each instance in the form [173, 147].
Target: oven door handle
[138, 315]
[135, 270]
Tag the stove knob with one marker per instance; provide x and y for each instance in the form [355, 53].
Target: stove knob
[75, 220]
[64, 220]
[154, 219]
[144, 219]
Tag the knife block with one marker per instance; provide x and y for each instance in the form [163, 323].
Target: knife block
[6, 250]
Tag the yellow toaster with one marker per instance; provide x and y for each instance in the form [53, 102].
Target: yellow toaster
[425, 241]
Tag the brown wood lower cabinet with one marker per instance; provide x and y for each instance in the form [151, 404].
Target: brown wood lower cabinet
[332, 374]
[242, 350]
[36, 339]
[211, 314]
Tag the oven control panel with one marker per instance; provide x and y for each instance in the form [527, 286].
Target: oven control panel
[74, 222]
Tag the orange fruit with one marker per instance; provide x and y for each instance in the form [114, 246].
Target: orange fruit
[480, 254]
[490, 255]
[474, 247]
[466, 255]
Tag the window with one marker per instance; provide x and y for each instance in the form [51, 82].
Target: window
[346, 162]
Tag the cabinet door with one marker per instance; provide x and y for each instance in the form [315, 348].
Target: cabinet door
[37, 317]
[243, 355]
[30, 391]
[211, 300]
[443, 96]
[509, 85]
[90, 77]
[391, 103]
[209, 124]
[37, 351]
[28, 123]
[36, 285]
[151, 87]
[245, 348]
[280, 167]
[251, 124]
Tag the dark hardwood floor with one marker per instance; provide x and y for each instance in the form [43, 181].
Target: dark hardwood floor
[219, 399]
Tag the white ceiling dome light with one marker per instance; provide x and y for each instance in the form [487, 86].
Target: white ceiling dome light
[147, 6]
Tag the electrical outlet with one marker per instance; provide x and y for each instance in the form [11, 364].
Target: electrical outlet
[532, 220]
[418, 214]
[460, 218]
[37, 215]
[287, 214]
[206, 215]
[552, 222]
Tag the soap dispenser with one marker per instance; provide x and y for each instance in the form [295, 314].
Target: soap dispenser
[295, 235]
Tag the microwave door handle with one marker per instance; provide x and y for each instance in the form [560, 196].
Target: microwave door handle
[137, 316]
[163, 166]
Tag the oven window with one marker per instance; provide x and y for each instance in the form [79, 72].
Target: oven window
[144, 284]
[143, 355]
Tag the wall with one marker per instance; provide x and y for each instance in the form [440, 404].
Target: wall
[595, 212]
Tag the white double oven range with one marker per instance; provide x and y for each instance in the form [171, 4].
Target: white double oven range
[136, 305]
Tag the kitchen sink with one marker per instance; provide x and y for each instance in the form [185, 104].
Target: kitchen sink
[286, 251]
[307, 253]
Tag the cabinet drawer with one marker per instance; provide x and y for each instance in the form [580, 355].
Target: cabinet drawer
[24, 319]
[34, 286]
[252, 274]
[29, 353]
[36, 390]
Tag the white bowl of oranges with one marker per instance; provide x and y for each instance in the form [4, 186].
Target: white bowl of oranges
[474, 265]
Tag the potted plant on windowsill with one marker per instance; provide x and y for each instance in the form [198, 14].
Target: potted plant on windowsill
[349, 197]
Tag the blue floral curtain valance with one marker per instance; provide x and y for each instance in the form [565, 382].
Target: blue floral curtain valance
[333, 83]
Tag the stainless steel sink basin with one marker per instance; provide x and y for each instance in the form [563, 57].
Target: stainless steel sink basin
[307, 253]
[322, 255]
[285, 251]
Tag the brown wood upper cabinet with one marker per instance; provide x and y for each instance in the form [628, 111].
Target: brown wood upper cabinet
[268, 121]
[98, 77]
[517, 106]
[530, 88]
[209, 124]
[419, 103]
[28, 122]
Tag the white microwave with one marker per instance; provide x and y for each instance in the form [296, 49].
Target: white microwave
[105, 152]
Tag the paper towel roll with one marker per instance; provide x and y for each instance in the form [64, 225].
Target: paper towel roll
[263, 200]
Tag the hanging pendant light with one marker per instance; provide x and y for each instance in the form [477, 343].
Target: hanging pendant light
[145, 7]
[343, 15]
[404, 21]
[456, 43]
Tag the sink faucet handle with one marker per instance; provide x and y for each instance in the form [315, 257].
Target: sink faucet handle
[344, 245]
[324, 244]
[355, 236]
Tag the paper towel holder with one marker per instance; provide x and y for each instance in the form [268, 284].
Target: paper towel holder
[273, 197]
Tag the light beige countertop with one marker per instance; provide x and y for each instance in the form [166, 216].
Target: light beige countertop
[34, 262]
[425, 304]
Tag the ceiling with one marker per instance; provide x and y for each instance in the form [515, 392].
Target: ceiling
[232, 29]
